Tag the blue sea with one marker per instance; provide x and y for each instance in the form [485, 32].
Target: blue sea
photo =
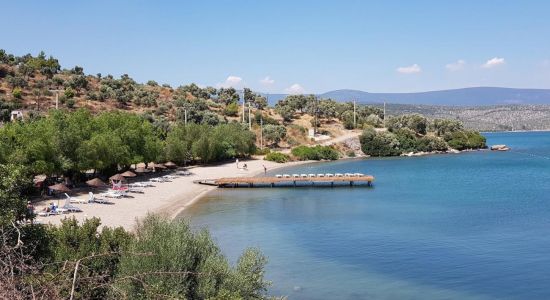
[459, 226]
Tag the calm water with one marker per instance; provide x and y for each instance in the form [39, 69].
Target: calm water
[467, 226]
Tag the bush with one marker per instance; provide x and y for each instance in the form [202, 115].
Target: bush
[185, 265]
[232, 109]
[69, 93]
[277, 157]
[350, 153]
[315, 153]
[70, 103]
[17, 93]
[263, 151]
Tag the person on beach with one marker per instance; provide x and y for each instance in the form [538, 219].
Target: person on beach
[265, 170]
[245, 167]
[30, 211]
[237, 163]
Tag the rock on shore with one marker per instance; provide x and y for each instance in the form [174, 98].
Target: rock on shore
[500, 148]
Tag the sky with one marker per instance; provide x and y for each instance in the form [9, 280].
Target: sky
[280, 46]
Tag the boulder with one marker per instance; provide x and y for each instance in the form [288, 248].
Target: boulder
[500, 148]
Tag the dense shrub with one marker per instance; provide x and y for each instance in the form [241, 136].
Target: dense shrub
[315, 153]
[465, 139]
[379, 143]
[277, 157]
[185, 265]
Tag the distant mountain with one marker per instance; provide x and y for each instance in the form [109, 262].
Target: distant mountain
[476, 96]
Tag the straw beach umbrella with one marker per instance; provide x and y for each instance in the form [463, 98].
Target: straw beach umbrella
[129, 174]
[170, 165]
[96, 183]
[60, 187]
[117, 177]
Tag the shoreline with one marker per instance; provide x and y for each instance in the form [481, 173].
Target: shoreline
[171, 198]
[168, 198]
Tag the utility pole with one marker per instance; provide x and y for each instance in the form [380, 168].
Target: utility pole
[56, 98]
[243, 104]
[185, 114]
[354, 115]
[249, 118]
[262, 132]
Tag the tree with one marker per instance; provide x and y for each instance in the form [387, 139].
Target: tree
[228, 96]
[14, 180]
[379, 143]
[444, 126]
[415, 122]
[274, 133]
[257, 100]
[286, 111]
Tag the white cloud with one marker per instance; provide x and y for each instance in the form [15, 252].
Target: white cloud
[456, 66]
[230, 81]
[295, 89]
[410, 69]
[267, 81]
[493, 62]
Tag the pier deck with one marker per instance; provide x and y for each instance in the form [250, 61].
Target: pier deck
[365, 180]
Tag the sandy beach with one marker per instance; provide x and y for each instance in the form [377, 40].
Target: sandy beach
[166, 198]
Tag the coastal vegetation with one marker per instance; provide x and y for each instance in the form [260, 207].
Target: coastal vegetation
[415, 133]
[69, 143]
[315, 153]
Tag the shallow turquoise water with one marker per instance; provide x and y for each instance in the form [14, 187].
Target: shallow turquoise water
[467, 226]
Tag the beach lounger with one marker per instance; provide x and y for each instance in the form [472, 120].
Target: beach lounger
[320, 175]
[329, 175]
[68, 207]
[286, 176]
[303, 175]
[358, 174]
[141, 184]
[295, 175]
[311, 175]
[46, 213]
[93, 199]
[183, 173]
[112, 194]
[135, 189]
[279, 176]
[75, 200]
[339, 175]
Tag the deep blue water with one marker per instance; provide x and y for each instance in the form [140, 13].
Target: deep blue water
[461, 226]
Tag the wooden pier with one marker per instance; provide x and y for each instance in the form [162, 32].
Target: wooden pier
[364, 180]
